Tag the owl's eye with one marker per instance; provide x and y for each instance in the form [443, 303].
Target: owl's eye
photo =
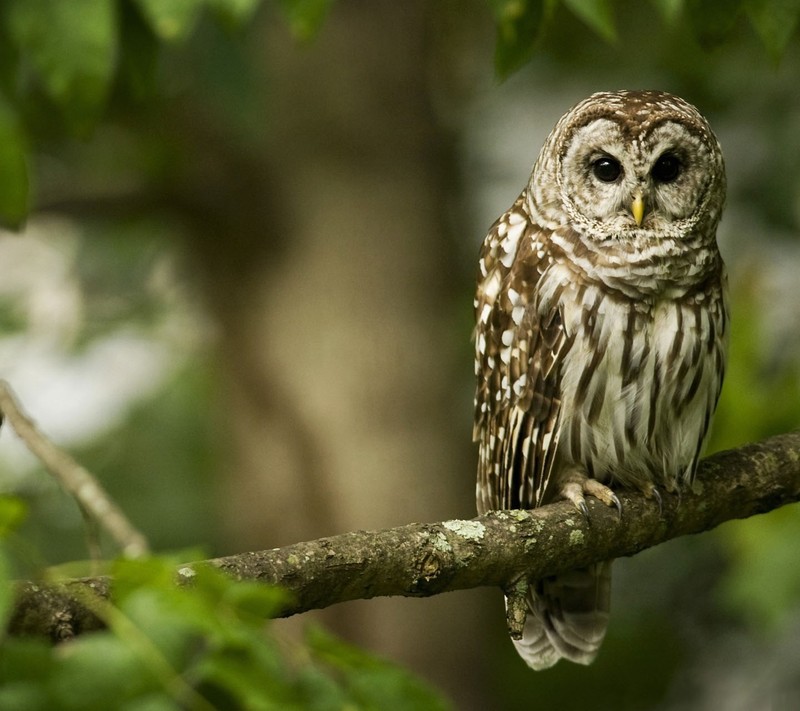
[607, 169]
[666, 169]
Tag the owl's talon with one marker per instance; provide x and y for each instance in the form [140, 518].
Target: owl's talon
[573, 491]
[617, 504]
[656, 494]
[578, 485]
[602, 493]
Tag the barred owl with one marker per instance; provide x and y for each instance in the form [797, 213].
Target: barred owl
[601, 333]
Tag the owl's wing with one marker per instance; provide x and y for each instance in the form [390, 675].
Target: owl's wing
[519, 347]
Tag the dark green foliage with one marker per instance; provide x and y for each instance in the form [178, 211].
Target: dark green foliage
[597, 14]
[70, 49]
[775, 21]
[521, 23]
[305, 17]
[201, 646]
[14, 179]
[712, 20]
[60, 62]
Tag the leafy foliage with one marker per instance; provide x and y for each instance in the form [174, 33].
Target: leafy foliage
[521, 23]
[201, 646]
[61, 62]
[711, 20]
[597, 14]
[519, 26]
[70, 47]
[775, 21]
[305, 16]
[13, 168]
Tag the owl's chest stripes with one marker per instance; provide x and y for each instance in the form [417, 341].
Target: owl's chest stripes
[638, 386]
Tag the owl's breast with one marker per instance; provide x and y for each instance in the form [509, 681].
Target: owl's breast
[638, 264]
[639, 384]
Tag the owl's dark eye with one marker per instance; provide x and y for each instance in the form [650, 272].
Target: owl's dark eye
[607, 169]
[666, 169]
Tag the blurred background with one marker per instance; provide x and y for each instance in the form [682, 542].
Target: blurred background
[243, 300]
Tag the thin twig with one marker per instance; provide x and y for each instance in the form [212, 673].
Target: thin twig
[78, 481]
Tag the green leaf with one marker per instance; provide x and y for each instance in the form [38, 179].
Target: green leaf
[712, 20]
[72, 48]
[9, 60]
[372, 682]
[12, 510]
[171, 20]
[256, 601]
[98, 668]
[598, 14]
[24, 697]
[6, 588]
[234, 13]
[305, 17]
[248, 678]
[775, 22]
[138, 55]
[150, 702]
[669, 10]
[25, 667]
[202, 645]
[14, 203]
[519, 25]
[132, 575]
[12, 514]
[173, 621]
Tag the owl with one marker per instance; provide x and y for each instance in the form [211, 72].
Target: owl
[601, 333]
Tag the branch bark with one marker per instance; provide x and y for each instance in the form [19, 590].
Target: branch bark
[498, 549]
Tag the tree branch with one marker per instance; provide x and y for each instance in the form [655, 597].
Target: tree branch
[500, 548]
[93, 500]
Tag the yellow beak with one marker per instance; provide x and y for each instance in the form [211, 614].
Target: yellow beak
[637, 207]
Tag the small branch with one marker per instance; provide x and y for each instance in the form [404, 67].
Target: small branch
[91, 497]
[498, 549]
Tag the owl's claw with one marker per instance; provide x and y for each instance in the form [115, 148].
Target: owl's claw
[617, 503]
[656, 494]
[577, 486]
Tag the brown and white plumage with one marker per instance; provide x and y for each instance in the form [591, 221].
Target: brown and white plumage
[601, 332]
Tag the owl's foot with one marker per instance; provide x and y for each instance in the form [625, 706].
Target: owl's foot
[576, 485]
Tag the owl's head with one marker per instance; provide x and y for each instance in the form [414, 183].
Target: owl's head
[631, 165]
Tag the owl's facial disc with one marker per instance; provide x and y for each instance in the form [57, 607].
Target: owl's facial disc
[622, 182]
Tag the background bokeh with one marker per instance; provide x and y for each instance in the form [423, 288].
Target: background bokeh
[244, 302]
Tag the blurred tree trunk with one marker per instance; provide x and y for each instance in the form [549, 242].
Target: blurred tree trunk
[330, 270]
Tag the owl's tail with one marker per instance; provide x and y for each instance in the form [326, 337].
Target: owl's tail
[567, 617]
